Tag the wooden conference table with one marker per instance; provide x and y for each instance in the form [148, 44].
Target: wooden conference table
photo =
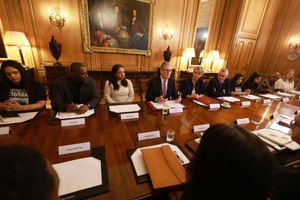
[118, 136]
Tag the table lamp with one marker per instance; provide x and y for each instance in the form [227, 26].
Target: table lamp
[189, 53]
[213, 54]
[14, 38]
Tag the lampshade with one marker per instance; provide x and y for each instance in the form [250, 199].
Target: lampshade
[189, 52]
[213, 54]
[201, 54]
[15, 38]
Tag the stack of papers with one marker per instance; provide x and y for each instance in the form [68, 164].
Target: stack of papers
[270, 96]
[124, 108]
[22, 118]
[250, 97]
[275, 136]
[229, 99]
[170, 104]
[285, 94]
[72, 115]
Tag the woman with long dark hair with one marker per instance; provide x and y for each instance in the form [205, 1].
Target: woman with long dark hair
[18, 91]
[236, 85]
[251, 85]
[118, 89]
[230, 163]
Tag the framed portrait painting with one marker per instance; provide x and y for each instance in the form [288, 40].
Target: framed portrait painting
[3, 54]
[118, 26]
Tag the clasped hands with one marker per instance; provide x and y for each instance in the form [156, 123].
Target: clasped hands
[78, 110]
[11, 105]
[162, 100]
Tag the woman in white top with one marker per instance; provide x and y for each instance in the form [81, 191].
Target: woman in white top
[118, 89]
[286, 84]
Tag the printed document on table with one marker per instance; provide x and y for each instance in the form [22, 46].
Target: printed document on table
[71, 115]
[125, 108]
[78, 174]
[23, 117]
[170, 104]
[138, 160]
[250, 97]
[285, 94]
[270, 96]
[229, 99]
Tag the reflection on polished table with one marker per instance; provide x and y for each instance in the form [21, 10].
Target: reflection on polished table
[118, 136]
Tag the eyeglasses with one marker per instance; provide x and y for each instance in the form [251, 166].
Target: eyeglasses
[166, 70]
[294, 124]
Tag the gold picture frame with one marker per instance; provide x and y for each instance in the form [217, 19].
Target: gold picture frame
[3, 53]
[117, 26]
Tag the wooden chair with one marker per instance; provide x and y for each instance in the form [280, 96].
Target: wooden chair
[143, 84]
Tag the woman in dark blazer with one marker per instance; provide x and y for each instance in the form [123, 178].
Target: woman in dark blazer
[251, 85]
[193, 87]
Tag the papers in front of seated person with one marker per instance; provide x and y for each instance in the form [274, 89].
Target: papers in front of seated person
[229, 99]
[250, 97]
[277, 126]
[125, 108]
[71, 115]
[170, 104]
[138, 160]
[270, 96]
[285, 94]
[78, 174]
[23, 117]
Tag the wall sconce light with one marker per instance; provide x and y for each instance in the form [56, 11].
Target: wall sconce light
[166, 33]
[294, 44]
[189, 53]
[57, 17]
[14, 38]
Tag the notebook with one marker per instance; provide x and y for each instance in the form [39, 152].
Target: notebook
[207, 100]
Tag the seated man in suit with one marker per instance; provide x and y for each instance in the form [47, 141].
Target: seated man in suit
[219, 86]
[162, 88]
[25, 174]
[75, 88]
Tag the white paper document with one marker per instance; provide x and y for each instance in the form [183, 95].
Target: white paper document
[71, 115]
[275, 136]
[271, 96]
[272, 144]
[229, 99]
[138, 160]
[23, 117]
[124, 108]
[170, 104]
[285, 94]
[250, 97]
[78, 175]
[278, 127]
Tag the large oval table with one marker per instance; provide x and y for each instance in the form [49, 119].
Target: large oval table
[117, 136]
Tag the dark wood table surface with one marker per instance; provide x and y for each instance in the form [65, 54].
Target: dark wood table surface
[118, 136]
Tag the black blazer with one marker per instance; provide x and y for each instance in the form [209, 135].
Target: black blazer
[215, 90]
[250, 85]
[154, 89]
[186, 87]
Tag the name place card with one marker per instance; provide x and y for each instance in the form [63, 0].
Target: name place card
[246, 103]
[275, 115]
[74, 148]
[297, 112]
[267, 101]
[4, 130]
[286, 99]
[148, 135]
[176, 110]
[242, 121]
[214, 105]
[72, 122]
[200, 128]
[130, 116]
[299, 97]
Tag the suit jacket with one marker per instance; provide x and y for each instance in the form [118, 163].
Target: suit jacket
[214, 89]
[186, 87]
[64, 92]
[154, 89]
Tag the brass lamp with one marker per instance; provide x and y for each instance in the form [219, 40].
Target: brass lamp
[189, 53]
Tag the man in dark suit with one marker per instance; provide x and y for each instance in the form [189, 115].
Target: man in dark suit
[220, 85]
[162, 88]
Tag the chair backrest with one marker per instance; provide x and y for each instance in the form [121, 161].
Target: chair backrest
[143, 84]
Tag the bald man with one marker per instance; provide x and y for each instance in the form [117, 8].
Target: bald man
[74, 89]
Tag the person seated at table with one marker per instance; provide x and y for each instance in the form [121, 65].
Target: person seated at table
[220, 85]
[230, 163]
[118, 89]
[236, 85]
[251, 85]
[267, 85]
[18, 91]
[287, 83]
[73, 89]
[162, 88]
[193, 87]
[25, 174]
[286, 179]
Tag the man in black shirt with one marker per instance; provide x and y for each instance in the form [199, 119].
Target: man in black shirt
[73, 89]
[220, 85]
